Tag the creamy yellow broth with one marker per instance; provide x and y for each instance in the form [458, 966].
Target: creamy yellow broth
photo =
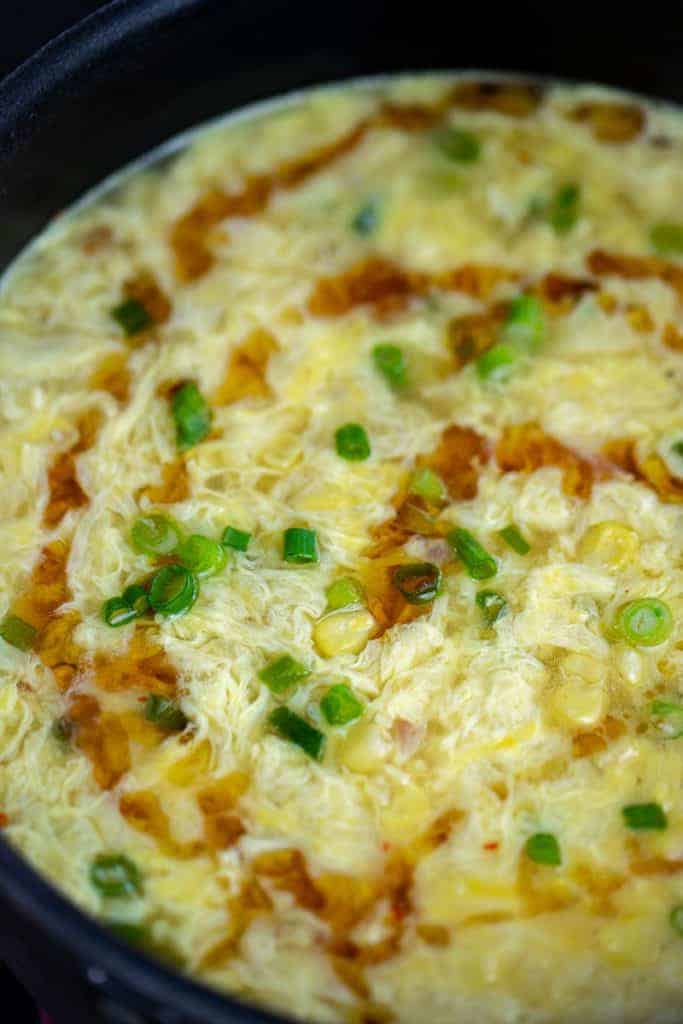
[394, 878]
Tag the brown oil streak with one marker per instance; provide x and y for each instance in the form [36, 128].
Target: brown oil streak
[525, 447]
[377, 282]
[217, 802]
[174, 486]
[190, 235]
[143, 811]
[594, 741]
[561, 293]
[633, 268]
[650, 470]
[145, 289]
[113, 376]
[143, 667]
[672, 338]
[246, 373]
[65, 491]
[610, 121]
[101, 737]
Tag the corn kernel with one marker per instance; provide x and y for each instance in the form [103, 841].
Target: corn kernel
[343, 633]
[578, 704]
[364, 749]
[609, 545]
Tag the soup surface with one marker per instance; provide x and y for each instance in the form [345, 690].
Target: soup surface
[342, 587]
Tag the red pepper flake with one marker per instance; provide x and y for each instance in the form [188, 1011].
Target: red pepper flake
[491, 846]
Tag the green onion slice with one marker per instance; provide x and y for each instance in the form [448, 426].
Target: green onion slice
[676, 919]
[667, 238]
[115, 876]
[524, 326]
[428, 485]
[479, 563]
[645, 622]
[493, 605]
[390, 361]
[165, 713]
[352, 442]
[127, 931]
[132, 316]
[457, 144]
[283, 673]
[173, 590]
[564, 209]
[497, 363]
[367, 219]
[340, 706]
[419, 582]
[117, 612]
[202, 555]
[155, 535]
[192, 415]
[297, 730]
[18, 633]
[543, 848]
[642, 817]
[300, 546]
[236, 539]
[343, 592]
[136, 597]
[515, 540]
[671, 717]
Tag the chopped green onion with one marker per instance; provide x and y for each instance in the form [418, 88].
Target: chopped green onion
[297, 730]
[677, 448]
[202, 555]
[543, 848]
[117, 612]
[672, 715]
[18, 633]
[419, 582]
[165, 713]
[513, 537]
[643, 623]
[340, 706]
[367, 219]
[115, 876]
[62, 729]
[136, 597]
[155, 534]
[132, 316]
[283, 673]
[676, 919]
[564, 209]
[667, 238]
[127, 931]
[644, 816]
[390, 361]
[493, 605]
[524, 326]
[428, 485]
[192, 415]
[173, 590]
[300, 546]
[352, 442]
[498, 362]
[236, 539]
[342, 593]
[457, 144]
[479, 563]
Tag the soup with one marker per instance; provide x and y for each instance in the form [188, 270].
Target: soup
[342, 593]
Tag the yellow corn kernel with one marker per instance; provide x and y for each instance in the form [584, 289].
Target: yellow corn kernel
[609, 545]
[343, 632]
[578, 704]
[193, 767]
[364, 749]
[589, 669]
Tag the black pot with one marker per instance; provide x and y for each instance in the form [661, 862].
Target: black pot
[121, 82]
